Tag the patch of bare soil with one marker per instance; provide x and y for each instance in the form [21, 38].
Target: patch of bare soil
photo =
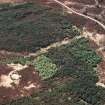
[101, 72]
[12, 1]
[7, 54]
[17, 81]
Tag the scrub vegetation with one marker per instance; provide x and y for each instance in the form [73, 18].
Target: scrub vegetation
[68, 72]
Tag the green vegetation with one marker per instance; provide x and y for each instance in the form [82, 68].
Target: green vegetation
[68, 71]
[18, 59]
[76, 77]
[29, 27]
[45, 66]
[78, 60]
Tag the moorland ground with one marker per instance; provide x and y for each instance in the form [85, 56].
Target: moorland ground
[63, 75]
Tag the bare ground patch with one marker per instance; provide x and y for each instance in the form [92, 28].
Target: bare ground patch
[17, 81]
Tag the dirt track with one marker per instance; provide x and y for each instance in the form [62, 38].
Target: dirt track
[12, 1]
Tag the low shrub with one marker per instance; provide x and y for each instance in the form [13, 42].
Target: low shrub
[45, 66]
